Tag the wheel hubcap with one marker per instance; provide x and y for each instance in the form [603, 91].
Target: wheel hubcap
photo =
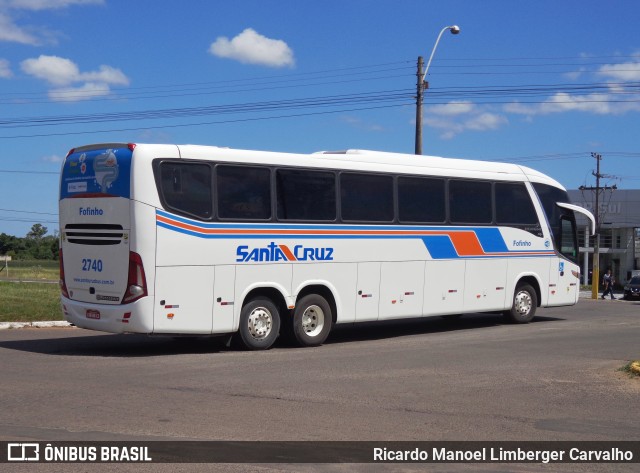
[523, 303]
[260, 323]
[313, 320]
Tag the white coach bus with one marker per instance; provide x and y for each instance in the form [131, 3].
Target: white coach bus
[199, 240]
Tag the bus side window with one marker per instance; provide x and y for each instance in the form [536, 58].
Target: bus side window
[470, 202]
[568, 244]
[514, 207]
[366, 197]
[421, 200]
[306, 195]
[177, 181]
[244, 192]
[186, 188]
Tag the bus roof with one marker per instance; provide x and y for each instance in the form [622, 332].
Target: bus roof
[350, 159]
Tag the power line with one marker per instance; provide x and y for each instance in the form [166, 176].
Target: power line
[28, 212]
[219, 122]
[29, 220]
[309, 102]
[326, 76]
[28, 172]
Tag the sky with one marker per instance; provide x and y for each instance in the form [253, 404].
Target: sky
[544, 84]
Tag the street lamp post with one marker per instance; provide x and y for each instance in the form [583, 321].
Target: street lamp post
[423, 84]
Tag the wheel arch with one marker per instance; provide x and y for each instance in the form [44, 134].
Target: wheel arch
[272, 293]
[324, 291]
[533, 281]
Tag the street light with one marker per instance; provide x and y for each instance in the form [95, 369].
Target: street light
[423, 84]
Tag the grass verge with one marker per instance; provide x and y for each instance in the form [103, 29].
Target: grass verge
[29, 302]
[632, 368]
[30, 270]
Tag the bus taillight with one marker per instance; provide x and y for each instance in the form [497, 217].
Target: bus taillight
[137, 282]
[63, 284]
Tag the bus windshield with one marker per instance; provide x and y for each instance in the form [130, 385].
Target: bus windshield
[562, 222]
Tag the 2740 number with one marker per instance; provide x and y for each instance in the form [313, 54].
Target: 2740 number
[92, 265]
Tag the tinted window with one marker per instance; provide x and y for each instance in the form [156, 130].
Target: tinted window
[568, 241]
[306, 195]
[186, 188]
[366, 197]
[513, 205]
[470, 201]
[243, 192]
[548, 197]
[421, 199]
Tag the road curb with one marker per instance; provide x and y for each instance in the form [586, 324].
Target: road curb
[13, 325]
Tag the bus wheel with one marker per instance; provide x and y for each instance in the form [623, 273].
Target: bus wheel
[312, 319]
[524, 305]
[259, 324]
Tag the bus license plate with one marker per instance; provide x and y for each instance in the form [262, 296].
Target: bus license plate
[93, 314]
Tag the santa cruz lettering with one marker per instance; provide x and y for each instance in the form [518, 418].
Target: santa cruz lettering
[276, 252]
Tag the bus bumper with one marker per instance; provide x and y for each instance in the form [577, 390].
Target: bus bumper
[125, 318]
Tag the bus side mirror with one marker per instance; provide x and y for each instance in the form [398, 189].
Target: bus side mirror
[581, 210]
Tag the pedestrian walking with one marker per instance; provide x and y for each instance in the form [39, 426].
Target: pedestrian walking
[607, 284]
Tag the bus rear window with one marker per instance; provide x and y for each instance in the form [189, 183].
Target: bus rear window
[186, 188]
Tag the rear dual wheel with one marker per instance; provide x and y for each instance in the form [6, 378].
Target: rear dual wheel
[312, 320]
[259, 324]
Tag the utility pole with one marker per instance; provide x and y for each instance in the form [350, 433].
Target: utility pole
[419, 94]
[595, 277]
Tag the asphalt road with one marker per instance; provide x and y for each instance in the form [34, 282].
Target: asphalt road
[474, 378]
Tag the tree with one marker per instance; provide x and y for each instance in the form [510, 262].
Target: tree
[36, 245]
[37, 232]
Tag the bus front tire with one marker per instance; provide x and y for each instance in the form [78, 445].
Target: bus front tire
[259, 324]
[525, 302]
[312, 320]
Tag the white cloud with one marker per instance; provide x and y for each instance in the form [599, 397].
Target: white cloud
[75, 94]
[107, 75]
[250, 47]
[53, 159]
[64, 74]
[453, 108]
[600, 104]
[575, 75]
[55, 70]
[11, 32]
[38, 5]
[486, 121]
[457, 117]
[357, 123]
[5, 69]
[625, 72]
[617, 98]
